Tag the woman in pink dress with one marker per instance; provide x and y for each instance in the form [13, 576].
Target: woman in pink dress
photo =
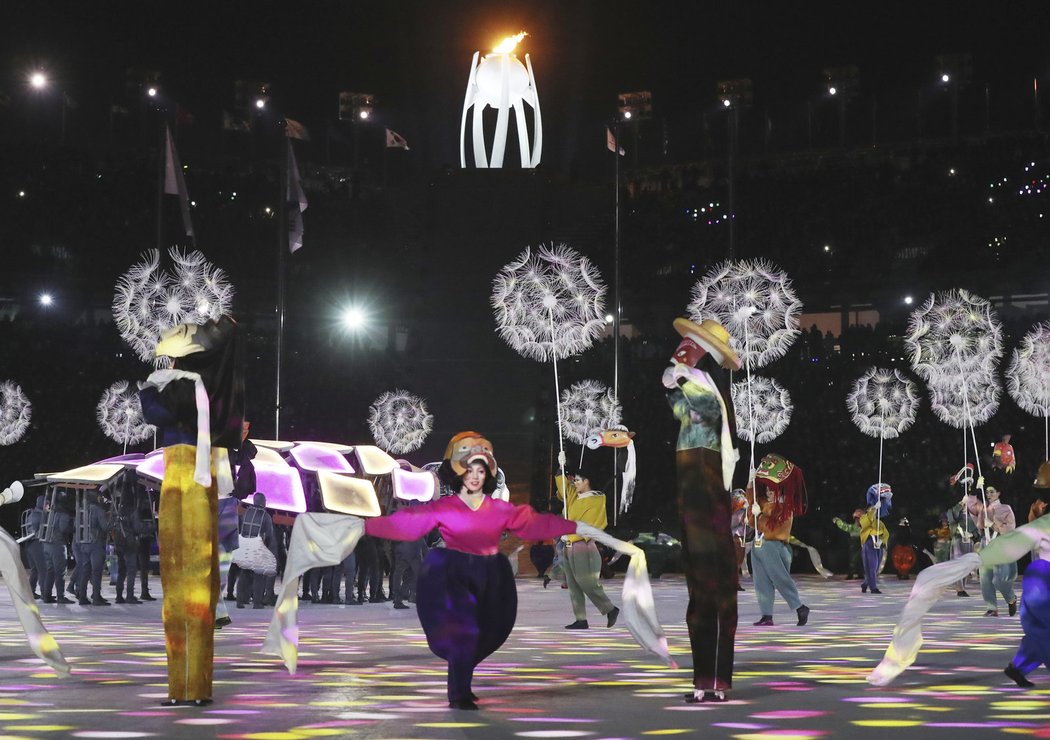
[466, 598]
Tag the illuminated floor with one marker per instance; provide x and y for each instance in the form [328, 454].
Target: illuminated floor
[366, 671]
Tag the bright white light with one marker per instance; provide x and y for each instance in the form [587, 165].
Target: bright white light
[908, 300]
[21, 193]
[726, 102]
[832, 90]
[38, 80]
[46, 299]
[627, 115]
[260, 103]
[946, 77]
[827, 247]
[951, 171]
[608, 318]
[363, 115]
[152, 92]
[353, 318]
[268, 210]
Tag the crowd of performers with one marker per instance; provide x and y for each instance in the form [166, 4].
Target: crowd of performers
[215, 536]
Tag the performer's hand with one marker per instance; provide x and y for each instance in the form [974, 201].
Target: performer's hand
[756, 509]
[561, 458]
[980, 483]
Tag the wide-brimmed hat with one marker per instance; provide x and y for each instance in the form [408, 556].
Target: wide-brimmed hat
[711, 336]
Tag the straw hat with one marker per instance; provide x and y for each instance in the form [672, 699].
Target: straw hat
[713, 337]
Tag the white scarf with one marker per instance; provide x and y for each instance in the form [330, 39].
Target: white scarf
[206, 457]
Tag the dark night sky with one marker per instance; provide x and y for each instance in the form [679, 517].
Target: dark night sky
[414, 55]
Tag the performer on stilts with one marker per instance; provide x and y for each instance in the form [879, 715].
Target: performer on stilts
[698, 391]
[198, 408]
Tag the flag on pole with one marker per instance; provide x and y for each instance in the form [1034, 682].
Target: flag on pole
[610, 141]
[295, 201]
[295, 130]
[174, 184]
[394, 140]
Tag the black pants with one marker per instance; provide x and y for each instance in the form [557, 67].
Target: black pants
[92, 556]
[127, 567]
[711, 573]
[145, 553]
[408, 560]
[38, 564]
[55, 575]
[467, 605]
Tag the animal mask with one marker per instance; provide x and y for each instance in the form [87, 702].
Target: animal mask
[467, 447]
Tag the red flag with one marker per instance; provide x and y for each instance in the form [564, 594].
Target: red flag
[295, 130]
[610, 141]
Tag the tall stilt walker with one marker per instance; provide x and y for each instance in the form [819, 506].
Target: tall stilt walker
[698, 391]
[198, 406]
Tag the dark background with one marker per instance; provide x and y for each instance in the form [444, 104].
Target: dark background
[897, 192]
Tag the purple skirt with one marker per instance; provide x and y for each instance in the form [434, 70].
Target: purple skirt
[467, 605]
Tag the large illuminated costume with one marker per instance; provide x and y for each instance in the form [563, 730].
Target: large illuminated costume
[198, 408]
[698, 391]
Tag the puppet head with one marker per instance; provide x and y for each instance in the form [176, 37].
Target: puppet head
[468, 447]
[699, 339]
[1003, 457]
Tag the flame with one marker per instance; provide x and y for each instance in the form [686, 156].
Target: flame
[506, 46]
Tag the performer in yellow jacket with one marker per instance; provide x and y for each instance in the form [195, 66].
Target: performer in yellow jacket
[583, 562]
[874, 535]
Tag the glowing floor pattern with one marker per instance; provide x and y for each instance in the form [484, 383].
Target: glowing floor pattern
[366, 671]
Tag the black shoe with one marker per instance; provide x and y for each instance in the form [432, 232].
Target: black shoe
[185, 702]
[36, 595]
[739, 587]
[64, 600]
[579, 624]
[992, 613]
[240, 606]
[82, 602]
[223, 622]
[258, 606]
[48, 599]
[546, 581]
[120, 599]
[463, 704]
[864, 588]
[611, 616]
[961, 593]
[1012, 608]
[132, 600]
[765, 621]
[803, 617]
[99, 602]
[401, 605]
[145, 596]
[876, 591]
[1015, 675]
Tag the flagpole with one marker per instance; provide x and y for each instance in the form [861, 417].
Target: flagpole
[162, 159]
[282, 248]
[616, 309]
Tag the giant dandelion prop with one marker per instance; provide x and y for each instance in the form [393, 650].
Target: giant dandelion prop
[883, 404]
[588, 406]
[549, 304]
[15, 413]
[1028, 377]
[119, 413]
[148, 299]
[955, 343]
[399, 421]
[768, 413]
[755, 302]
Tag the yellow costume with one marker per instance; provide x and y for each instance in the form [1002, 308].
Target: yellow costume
[189, 574]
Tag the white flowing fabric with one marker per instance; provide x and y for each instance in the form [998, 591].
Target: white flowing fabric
[14, 575]
[930, 585]
[320, 540]
[639, 608]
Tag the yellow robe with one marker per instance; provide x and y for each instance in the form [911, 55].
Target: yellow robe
[189, 574]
